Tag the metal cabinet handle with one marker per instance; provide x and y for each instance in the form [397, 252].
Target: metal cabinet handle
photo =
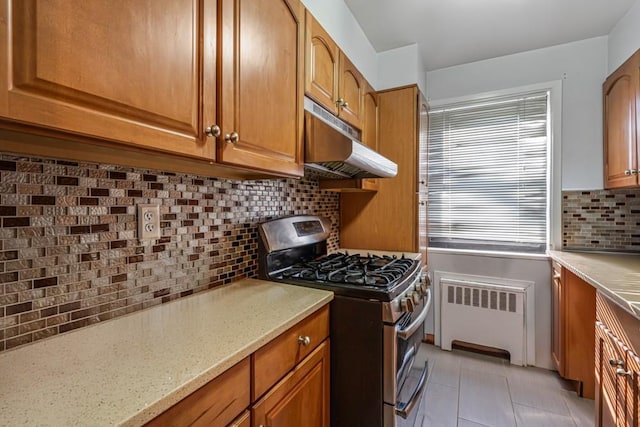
[627, 172]
[634, 171]
[345, 104]
[213, 131]
[305, 341]
[232, 137]
[340, 102]
[622, 373]
[614, 362]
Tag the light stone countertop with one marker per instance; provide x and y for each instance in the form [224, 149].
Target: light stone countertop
[127, 370]
[614, 274]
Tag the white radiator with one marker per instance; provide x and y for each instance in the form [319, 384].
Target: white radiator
[482, 313]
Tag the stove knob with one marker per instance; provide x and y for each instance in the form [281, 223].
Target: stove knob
[407, 304]
[416, 296]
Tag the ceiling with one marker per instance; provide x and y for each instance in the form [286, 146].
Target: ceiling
[452, 32]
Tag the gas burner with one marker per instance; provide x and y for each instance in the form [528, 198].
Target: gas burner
[360, 270]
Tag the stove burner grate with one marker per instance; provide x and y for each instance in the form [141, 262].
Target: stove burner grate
[369, 270]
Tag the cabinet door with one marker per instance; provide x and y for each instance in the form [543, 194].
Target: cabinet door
[351, 92]
[243, 420]
[620, 125]
[322, 58]
[370, 127]
[301, 398]
[261, 85]
[557, 324]
[126, 70]
[367, 221]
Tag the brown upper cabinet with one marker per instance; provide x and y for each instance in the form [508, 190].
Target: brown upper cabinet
[145, 74]
[128, 74]
[367, 221]
[330, 77]
[621, 97]
[261, 85]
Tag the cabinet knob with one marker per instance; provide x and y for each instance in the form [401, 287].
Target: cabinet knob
[622, 373]
[614, 362]
[635, 171]
[340, 102]
[305, 341]
[232, 137]
[213, 131]
[345, 104]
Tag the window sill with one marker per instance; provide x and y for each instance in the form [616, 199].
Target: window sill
[492, 254]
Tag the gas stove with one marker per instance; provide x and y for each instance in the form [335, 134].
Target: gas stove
[377, 318]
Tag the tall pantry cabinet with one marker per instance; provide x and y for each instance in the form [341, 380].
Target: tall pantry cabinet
[394, 218]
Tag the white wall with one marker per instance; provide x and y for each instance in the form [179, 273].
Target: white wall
[400, 67]
[624, 38]
[537, 271]
[582, 66]
[336, 18]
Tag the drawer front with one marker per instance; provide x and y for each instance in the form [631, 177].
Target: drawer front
[274, 360]
[215, 404]
[243, 420]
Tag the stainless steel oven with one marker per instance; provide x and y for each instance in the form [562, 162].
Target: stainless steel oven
[377, 319]
[404, 379]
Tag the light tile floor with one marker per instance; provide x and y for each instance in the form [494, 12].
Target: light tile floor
[470, 390]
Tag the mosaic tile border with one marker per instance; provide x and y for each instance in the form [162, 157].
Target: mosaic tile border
[601, 220]
[69, 254]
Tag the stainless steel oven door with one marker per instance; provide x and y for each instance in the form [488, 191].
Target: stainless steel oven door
[404, 381]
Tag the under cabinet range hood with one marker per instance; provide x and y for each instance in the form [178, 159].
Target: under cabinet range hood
[333, 149]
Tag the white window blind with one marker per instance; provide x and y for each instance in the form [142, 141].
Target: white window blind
[488, 174]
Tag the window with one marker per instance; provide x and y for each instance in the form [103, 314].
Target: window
[488, 173]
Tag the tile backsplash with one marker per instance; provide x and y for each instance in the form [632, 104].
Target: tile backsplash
[69, 253]
[601, 220]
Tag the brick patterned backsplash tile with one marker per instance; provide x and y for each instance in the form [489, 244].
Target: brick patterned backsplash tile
[69, 253]
[601, 219]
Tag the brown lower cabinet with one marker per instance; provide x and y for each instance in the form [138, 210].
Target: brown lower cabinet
[243, 420]
[617, 365]
[301, 398]
[572, 345]
[284, 383]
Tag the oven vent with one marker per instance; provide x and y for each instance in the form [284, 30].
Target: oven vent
[486, 314]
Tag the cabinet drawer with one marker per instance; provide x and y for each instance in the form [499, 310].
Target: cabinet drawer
[274, 360]
[215, 404]
[243, 420]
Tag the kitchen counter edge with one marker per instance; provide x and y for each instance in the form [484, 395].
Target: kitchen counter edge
[616, 275]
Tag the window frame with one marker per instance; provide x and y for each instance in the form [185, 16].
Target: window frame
[554, 170]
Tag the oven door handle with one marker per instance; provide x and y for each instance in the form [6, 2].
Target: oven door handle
[406, 333]
[404, 408]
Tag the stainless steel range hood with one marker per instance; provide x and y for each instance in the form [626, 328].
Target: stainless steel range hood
[333, 149]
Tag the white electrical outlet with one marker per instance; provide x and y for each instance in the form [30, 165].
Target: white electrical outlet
[148, 222]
